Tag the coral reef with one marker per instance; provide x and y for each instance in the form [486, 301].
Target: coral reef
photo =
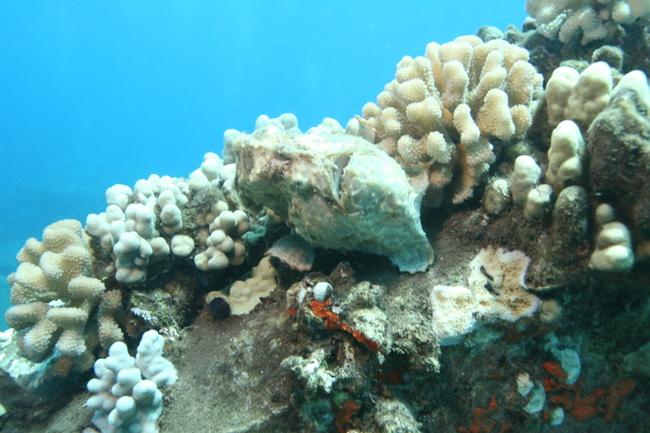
[165, 215]
[268, 273]
[244, 295]
[617, 144]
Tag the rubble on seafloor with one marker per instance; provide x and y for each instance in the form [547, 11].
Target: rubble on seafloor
[469, 254]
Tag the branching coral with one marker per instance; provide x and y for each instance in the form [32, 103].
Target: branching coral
[245, 295]
[224, 245]
[135, 220]
[56, 296]
[163, 215]
[442, 109]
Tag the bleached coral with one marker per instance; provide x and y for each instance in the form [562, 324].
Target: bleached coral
[524, 177]
[245, 295]
[578, 96]
[442, 109]
[495, 290]
[133, 224]
[613, 252]
[210, 172]
[538, 202]
[163, 215]
[55, 296]
[127, 391]
[337, 190]
[313, 371]
[591, 20]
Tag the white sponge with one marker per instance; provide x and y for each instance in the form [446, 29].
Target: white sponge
[613, 252]
[524, 177]
[613, 249]
[565, 154]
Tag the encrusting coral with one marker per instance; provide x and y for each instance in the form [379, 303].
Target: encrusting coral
[443, 109]
[56, 298]
[245, 295]
[551, 261]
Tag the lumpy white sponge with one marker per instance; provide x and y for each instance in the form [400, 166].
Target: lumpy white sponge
[578, 96]
[613, 249]
[127, 396]
[565, 154]
[525, 176]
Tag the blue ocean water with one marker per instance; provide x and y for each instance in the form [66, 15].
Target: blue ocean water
[98, 93]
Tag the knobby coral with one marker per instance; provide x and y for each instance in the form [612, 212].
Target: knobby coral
[443, 109]
[56, 298]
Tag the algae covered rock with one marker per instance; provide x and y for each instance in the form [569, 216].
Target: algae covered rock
[338, 191]
[619, 151]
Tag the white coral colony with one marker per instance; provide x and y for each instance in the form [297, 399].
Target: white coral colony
[127, 391]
